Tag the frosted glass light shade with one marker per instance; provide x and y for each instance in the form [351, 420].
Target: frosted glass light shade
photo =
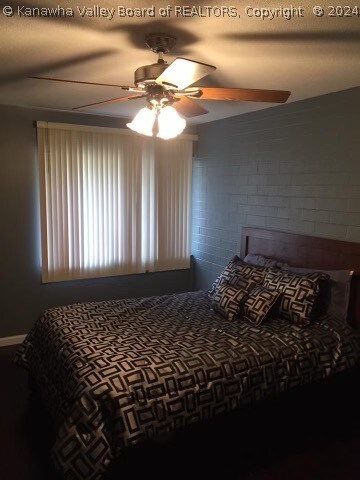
[170, 123]
[143, 122]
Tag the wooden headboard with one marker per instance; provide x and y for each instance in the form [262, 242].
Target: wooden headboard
[309, 252]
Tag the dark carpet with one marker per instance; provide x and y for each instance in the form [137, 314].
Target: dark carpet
[312, 434]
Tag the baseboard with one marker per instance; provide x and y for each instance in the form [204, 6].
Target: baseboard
[7, 341]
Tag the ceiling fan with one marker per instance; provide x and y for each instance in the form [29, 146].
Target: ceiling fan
[169, 85]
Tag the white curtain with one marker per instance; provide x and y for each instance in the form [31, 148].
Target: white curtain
[112, 203]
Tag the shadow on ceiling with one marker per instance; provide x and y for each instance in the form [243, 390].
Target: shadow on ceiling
[136, 33]
[43, 69]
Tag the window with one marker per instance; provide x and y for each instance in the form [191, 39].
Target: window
[112, 203]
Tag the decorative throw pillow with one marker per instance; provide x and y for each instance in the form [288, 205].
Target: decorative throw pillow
[227, 299]
[237, 267]
[224, 275]
[336, 294]
[239, 281]
[255, 273]
[258, 303]
[298, 294]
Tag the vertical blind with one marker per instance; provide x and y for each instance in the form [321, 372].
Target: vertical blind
[112, 203]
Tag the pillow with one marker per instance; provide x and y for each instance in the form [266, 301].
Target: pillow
[255, 273]
[224, 275]
[239, 281]
[237, 267]
[337, 296]
[253, 259]
[227, 299]
[258, 303]
[298, 294]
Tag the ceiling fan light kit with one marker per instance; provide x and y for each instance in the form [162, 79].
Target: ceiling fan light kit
[168, 121]
[143, 122]
[167, 89]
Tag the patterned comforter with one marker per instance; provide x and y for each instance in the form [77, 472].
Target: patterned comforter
[117, 372]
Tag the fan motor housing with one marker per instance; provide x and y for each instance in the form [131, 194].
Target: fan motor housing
[160, 42]
[149, 73]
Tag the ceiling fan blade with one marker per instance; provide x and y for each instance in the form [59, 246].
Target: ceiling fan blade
[188, 107]
[183, 72]
[111, 100]
[124, 87]
[244, 94]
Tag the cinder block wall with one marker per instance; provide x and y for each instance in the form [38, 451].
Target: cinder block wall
[293, 167]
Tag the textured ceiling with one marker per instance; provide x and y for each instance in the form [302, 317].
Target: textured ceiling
[309, 56]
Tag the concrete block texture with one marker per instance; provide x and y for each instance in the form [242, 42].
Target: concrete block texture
[291, 167]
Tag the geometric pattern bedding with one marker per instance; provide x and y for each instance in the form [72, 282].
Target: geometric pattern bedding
[299, 293]
[226, 300]
[115, 373]
[259, 303]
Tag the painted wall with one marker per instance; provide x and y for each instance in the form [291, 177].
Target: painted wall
[22, 296]
[293, 167]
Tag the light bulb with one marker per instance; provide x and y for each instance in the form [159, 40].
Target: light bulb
[143, 122]
[170, 123]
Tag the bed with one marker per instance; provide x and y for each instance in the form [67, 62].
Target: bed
[117, 373]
